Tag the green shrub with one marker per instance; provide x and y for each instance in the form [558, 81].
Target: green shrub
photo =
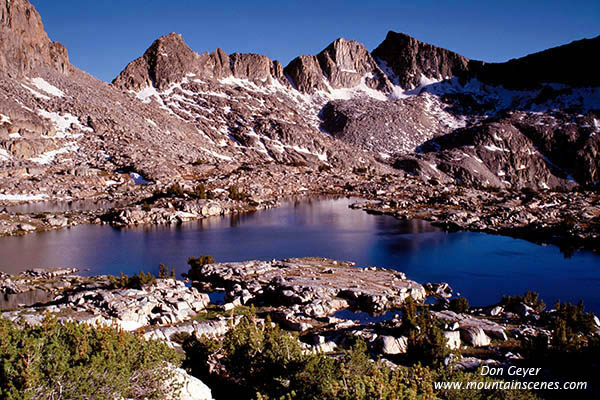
[236, 194]
[200, 191]
[163, 272]
[570, 322]
[531, 299]
[359, 170]
[199, 161]
[136, 281]
[261, 361]
[76, 361]
[175, 190]
[426, 341]
[459, 305]
[196, 265]
[298, 163]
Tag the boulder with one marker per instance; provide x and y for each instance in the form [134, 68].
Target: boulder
[452, 339]
[57, 221]
[191, 388]
[474, 336]
[390, 345]
[496, 311]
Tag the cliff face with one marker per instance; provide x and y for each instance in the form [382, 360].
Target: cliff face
[173, 110]
[24, 44]
[169, 60]
[342, 64]
[409, 60]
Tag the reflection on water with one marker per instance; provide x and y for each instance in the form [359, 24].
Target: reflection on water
[481, 267]
[366, 318]
[13, 301]
[60, 206]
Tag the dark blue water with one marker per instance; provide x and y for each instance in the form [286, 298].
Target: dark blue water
[479, 266]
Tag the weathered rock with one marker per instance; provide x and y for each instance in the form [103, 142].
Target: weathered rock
[390, 345]
[24, 44]
[452, 339]
[309, 280]
[413, 63]
[496, 311]
[474, 336]
[191, 388]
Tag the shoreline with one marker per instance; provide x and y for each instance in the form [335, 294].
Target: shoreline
[305, 298]
[569, 220]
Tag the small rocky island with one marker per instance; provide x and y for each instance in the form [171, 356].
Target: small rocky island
[319, 305]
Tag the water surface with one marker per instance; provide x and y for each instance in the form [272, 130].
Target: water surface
[481, 267]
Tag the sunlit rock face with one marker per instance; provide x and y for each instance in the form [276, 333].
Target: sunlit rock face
[172, 112]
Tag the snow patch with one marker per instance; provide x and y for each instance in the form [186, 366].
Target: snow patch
[320, 156]
[217, 155]
[359, 90]
[62, 123]
[44, 86]
[4, 119]
[48, 157]
[495, 148]
[36, 93]
[390, 73]
[4, 156]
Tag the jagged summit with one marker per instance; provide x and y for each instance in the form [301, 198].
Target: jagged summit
[166, 60]
[173, 111]
[410, 61]
[24, 45]
[169, 60]
[342, 64]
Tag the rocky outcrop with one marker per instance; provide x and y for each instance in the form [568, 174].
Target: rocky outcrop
[566, 219]
[411, 63]
[343, 64]
[190, 387]
[24, 44]
[390, 345]
[257, 68]
[387, 128]
[169, 61]
[318, 286]
[520, 150]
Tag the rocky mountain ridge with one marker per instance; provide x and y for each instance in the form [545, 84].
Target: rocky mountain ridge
[173, 115]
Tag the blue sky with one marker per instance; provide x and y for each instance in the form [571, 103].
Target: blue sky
[102, 36]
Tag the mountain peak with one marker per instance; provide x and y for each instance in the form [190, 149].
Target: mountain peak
[411, 60]
[342, 64]
[166, 61]
[169, 60]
